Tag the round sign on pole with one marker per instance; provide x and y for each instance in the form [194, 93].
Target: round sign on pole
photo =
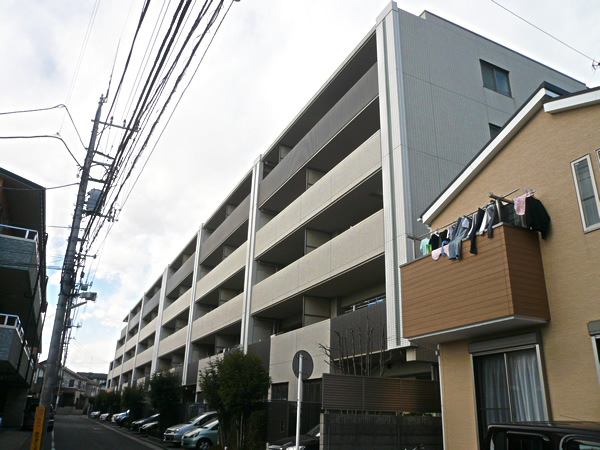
[307, 364]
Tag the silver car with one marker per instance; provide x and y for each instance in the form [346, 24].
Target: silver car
[173, 434]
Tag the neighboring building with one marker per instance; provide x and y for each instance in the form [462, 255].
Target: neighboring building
[320, 224]
[22, 289]
[74, 389]
[99, 378]
[518, 323]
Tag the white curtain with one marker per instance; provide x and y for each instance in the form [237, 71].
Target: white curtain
[525, 387]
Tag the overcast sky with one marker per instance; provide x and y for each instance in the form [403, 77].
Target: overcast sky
[267, 60]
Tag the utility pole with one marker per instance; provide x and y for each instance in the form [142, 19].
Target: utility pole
[67, 282]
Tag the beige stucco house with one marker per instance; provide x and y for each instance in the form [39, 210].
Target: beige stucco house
[517, 325]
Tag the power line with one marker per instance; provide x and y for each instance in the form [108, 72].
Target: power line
[52, 136]
[48, 109]
[88, 32]
[40, 189]
[594, 62]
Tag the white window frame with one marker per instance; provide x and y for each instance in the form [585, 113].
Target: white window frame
[595, 345]
[595, 226]
[506, 348]
[594, 331]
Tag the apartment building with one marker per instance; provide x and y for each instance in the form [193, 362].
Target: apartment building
[518, 323]
[22, 289]
[320, 224]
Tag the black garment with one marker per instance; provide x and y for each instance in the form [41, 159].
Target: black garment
[494, 220]
[434, 241]
[443, 236]
[536, 217]
[508, 215]
[477, 219]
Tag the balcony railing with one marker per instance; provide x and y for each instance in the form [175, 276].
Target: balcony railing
[502, 288]
[15, 357]
[19, 252]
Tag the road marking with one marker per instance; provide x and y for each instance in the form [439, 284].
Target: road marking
[136, 439]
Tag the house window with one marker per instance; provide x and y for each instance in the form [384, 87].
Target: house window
[279, 391]
[495, 78]
[494, 130]
[71, 383]
[508, 381]
[587, 194]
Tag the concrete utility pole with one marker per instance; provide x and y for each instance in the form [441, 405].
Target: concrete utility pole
[67, 282]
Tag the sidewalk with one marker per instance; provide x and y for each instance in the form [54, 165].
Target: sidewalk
[13, 438]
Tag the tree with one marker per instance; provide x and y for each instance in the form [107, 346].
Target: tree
[165, 394]
[132, 399]
[234, 387]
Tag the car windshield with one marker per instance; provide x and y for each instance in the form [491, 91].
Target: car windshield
[210, 424]
[314, 431]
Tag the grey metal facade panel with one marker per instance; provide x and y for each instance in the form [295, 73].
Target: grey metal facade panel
[348, 327]
[192, 373]
[359, 393]
[186, 269]
[357, 98]
[262, 349]
[235, 220]
[150, 304]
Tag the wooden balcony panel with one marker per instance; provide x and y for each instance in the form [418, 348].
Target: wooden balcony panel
[500, 288]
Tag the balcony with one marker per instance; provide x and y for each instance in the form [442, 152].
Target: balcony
[19, 256]
[19, 266]
[15, 360]
[500, 289]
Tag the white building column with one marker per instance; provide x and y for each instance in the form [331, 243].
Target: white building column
[159, 318]
[192, 310]
[137, 342]
[396, 182]
[250, 271]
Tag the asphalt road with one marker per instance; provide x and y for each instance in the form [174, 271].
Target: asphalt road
[80, 432]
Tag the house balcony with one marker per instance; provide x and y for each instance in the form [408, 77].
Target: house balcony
[500, 289]
[16, 366]
[19, 267]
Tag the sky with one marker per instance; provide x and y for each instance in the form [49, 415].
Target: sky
[266, 62]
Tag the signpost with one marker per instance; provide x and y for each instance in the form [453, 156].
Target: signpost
[302, 365]
[38, 428]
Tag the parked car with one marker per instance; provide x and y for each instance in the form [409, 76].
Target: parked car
[135, 426]
[148, 427]
[308, 441]
[175, 433]
[120, 417]
[202, 438]
[553, 435]
[104, 417]
[95, 414]
[29, 415]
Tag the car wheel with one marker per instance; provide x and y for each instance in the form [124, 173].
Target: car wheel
[203, 444]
